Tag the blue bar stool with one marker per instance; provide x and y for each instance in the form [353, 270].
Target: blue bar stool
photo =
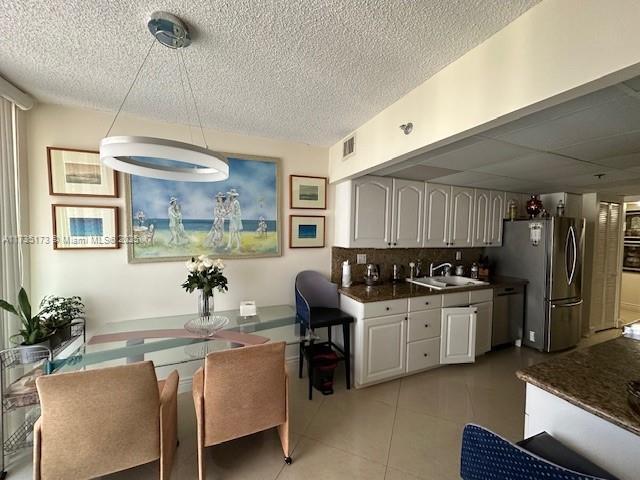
[488, 456]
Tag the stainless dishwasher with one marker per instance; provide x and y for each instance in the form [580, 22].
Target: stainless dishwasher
[508, 315]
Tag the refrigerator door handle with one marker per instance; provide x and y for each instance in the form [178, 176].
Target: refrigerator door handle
[571, 271]
[572, 304]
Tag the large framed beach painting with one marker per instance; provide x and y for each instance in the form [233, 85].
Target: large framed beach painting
[236, 218]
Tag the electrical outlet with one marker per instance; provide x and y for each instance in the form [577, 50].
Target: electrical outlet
[361, 258]
[532, 336]
[458, 255]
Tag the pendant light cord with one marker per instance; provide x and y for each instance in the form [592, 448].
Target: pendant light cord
[193, 97]
[135, 79]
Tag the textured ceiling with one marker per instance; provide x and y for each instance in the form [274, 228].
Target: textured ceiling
[590, 144]
[310, 71]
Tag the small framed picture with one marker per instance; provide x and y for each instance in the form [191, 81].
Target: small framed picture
[306, 231]
[78, 227]
[308, 192]
[80, 172]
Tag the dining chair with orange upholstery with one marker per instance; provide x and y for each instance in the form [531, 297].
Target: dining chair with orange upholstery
[239, 392]
[102, 421]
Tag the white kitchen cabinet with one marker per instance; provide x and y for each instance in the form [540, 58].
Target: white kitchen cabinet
[408, 213]
[495, 218]
[484, 321]
[481, 215]
[371, 212]
[436, 221]
[423, 354]
[461, 218]
[384, 348]
[458, 335]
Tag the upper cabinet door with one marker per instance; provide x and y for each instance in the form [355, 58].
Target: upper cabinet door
[495, 219]
[461, 223]
[371, 212]
[481, 218]
[436, 216]
[408, 213]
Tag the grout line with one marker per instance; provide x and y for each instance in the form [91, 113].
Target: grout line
[393, 427]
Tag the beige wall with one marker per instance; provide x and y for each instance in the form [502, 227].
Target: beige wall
[116, 290]
[558, 50]
[630, 294]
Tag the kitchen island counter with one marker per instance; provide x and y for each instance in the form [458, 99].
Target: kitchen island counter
[594, 379]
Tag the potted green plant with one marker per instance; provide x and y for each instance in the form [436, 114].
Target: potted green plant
[33, 331]
[58, 313]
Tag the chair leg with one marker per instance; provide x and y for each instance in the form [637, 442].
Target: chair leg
[346, 335]
[303, 332]
[301, 360]
[202, 461]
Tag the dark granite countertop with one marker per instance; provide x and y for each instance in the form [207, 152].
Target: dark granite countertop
[594, 379]
[403, 289]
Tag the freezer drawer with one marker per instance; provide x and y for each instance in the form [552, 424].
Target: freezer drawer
[563, 325]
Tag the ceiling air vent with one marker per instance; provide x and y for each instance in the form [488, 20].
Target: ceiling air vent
[348, 146]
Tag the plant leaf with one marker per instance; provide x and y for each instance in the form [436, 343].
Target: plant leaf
[8, 307]
[23, 301]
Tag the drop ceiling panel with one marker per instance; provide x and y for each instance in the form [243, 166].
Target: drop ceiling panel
[536, 166]
[480, 153]
[604, 120]
[558, 111]
[601, 148]
[422, 173]
[610, 177]
[464, 179]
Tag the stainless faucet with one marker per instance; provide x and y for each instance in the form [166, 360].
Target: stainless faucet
[433, 268]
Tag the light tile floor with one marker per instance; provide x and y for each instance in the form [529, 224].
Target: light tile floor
[405, 429]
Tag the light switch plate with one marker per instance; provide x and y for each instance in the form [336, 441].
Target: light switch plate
[361, 258]
[532, 336]
[458, 255]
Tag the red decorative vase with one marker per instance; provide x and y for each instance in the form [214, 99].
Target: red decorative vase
[534, 206]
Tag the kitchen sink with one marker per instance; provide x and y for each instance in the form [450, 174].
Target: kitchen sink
[446, 282]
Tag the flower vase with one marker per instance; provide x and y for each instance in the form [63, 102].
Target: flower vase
[205, 306]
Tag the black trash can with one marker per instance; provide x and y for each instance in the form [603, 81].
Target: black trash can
[324, 362]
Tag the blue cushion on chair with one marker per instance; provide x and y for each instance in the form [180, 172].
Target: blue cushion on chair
[487, 456]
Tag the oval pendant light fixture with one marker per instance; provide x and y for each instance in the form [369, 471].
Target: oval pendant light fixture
[158, 157]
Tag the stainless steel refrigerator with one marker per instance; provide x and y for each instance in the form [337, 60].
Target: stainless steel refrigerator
[553, 267]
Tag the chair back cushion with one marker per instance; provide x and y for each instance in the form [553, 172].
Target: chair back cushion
[317, 290]
[244, 391]
[97, 422]
[486, 455]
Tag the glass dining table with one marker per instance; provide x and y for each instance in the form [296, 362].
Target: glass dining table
[166, 342]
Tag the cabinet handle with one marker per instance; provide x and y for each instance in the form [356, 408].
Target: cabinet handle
[388, 244]
[394, 244]
[387, 308]
[426, 303]
[426, 354]
[406, 318]
[426, 325]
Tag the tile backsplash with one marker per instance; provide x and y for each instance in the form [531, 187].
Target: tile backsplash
[385, 258]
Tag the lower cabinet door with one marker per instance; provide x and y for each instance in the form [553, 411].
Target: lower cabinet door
[458, 335]
[484, 321]
[423, 354]
[385, 345]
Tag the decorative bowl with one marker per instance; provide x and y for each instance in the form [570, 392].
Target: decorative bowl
[206, 326]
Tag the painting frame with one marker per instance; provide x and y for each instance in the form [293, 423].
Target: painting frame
[298, 203]
[132, 258]
[114, 233]
[318, 219]
[110, 176]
